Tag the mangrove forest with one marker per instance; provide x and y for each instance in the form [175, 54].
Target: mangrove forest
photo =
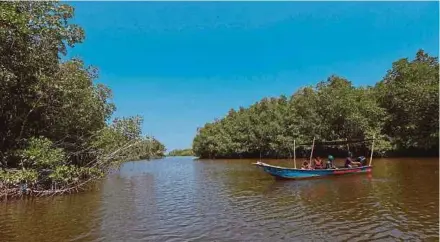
[56, 126]
[183, 152]
[401, 112]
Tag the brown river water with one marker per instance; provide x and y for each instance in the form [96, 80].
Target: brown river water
[181, 199]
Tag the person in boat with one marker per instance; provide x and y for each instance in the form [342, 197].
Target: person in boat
[329, 163]
[349, 163]
[318, 163]
[305, 165]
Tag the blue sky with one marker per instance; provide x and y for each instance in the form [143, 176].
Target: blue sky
[180, 65]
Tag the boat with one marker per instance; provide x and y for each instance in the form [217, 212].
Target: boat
[294, 173]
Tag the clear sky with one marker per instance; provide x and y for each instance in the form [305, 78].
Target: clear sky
[180, 65]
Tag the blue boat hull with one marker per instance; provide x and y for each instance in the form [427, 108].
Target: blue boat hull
[292, 173]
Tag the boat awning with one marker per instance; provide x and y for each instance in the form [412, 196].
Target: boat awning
[337, 142]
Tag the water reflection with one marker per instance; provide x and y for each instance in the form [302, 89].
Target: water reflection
[73, 217]
[177, 199]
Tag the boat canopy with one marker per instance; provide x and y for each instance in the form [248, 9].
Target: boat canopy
[336, 142]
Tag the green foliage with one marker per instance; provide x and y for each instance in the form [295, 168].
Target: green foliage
[53, 116]
[184, 152]
[401, 112]
[157, 148]
[409, 92]
[39, 95]
[122, 141]
[332, 110]
[64, 174]
[68, 174]
[130, 127]
[40, 153]
[28, 176]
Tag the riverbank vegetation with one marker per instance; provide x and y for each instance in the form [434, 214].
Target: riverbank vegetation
[56, 132]
[184, 152]
[401, 111]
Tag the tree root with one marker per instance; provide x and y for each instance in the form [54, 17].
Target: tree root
[16, 192]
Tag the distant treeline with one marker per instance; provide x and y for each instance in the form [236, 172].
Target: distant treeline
[184, 152]
[401, 111]
[55, 127]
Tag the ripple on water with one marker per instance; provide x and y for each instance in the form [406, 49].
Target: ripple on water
[184, 200]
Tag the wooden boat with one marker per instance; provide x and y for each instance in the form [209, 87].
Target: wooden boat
[293, 173]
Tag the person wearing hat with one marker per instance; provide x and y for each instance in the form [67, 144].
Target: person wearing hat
[329, 163]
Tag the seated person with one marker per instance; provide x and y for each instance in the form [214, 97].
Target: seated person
[318, 163]
[329, 163]
[349, 163]
[305, 165]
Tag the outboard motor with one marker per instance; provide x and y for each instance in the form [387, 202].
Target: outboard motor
[362, 160]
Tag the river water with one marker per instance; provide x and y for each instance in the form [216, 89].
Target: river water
[181, 199]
